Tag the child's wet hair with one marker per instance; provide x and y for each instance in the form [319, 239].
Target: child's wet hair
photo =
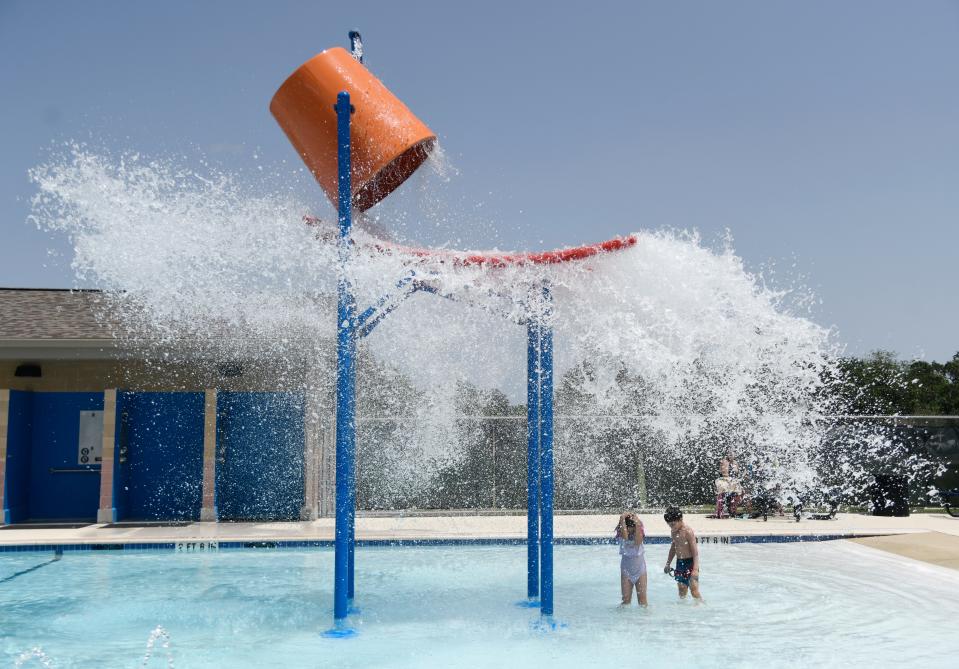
[673, 513]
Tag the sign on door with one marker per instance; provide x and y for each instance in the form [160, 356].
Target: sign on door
[90, 449]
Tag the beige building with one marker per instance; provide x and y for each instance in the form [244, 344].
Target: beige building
[61, 358]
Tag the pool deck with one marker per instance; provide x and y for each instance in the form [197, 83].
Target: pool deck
[920, 536]
[932, 547]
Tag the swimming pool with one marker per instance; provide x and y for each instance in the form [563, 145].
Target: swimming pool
[810, 604]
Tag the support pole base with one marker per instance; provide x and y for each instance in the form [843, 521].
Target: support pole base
[545, 624]
[340, 630]
[531, 603]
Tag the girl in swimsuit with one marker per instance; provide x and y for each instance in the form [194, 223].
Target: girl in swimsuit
[632, 564]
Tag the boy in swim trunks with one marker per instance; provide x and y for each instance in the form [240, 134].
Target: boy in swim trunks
[632, 565]
[686, 552]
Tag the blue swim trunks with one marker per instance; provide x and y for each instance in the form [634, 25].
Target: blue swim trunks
[683, 571]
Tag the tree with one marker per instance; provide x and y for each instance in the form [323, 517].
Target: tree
[872, 385]
[882, 384]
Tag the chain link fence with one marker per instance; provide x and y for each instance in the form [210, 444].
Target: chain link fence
[610, 463]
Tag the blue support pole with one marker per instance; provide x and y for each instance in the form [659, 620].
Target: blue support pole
[351, 570]
[345, 382]
[532, 457]
[546, 459]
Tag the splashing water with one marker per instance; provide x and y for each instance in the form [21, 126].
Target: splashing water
[158, 634]
[35, 653]
[670, 343]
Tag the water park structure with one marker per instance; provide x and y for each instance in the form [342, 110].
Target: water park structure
[361, 143]
[264, 430]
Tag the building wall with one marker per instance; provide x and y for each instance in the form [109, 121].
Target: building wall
[198, 376]
[62, 375]
[98, 375]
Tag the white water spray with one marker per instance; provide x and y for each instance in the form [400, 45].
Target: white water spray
[161, 635]
[671, 340]
[35, 653]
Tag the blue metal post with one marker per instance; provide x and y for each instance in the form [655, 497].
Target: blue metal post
[345, 378]
[351, 569]
[532, 457]
[546, 459]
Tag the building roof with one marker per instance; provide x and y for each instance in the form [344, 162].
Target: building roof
[51, 324]
[32, 314]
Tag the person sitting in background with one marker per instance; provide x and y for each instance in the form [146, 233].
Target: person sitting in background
[729, 489]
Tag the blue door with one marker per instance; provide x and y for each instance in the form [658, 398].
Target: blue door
[60, 487]
[260, 442]
[16, 489]
[45, 477]
[159, 456]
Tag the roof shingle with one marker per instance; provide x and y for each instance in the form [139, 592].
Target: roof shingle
[51, 314]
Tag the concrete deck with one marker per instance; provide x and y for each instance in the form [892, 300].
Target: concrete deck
[931, 547]
[413, 527]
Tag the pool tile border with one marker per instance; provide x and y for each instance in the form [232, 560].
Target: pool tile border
[281, 544]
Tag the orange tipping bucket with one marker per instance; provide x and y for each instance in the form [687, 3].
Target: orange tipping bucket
[388, 141]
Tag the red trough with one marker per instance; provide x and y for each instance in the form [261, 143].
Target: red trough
[496, 258]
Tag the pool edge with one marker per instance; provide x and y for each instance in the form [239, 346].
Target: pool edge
[212, 545]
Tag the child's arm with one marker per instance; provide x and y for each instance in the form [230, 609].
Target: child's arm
[669, 558]
[621, 527]
[640, 535]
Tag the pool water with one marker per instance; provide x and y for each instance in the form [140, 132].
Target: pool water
[773, 605]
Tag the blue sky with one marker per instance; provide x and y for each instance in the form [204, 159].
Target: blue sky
[823, 135]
